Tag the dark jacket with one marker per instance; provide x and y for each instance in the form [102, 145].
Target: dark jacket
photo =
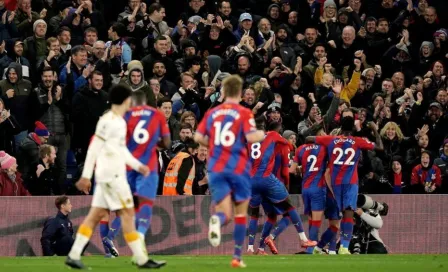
[19, 103]
[28, 158]
[87, 108]
[8, 30]
[148, 62]
[46, 184]
[57, 235]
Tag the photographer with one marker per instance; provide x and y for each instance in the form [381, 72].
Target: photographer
[366, 238]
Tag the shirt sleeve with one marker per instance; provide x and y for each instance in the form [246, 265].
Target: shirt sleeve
[202, 127]
[101, 135]
[249, 123]
[365, 144]
[324, 140]
[297, 155]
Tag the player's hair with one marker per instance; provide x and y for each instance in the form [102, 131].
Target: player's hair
[45, 150]
[164, 100]
[185, 126]
[119, 93]
[233, 86]
[260, 122]
[138, 98]
[60, 200]
[274, 126]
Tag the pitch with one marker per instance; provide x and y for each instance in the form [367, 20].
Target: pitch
[359, 263]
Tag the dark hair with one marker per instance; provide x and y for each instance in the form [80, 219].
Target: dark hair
[95, 73]
[222, 1]
[160, 38]
[62, 29]
[90, 29]
[193, 60]
[190, 143]
[47, 69]
[154, 7]
[164, 100]
[78, 48]
[60, 200]
[274, 126]
[158, 61]
[120, 29]
[139, 98]
[186, 126]
[371, 19]
[383, 20]
[119, 93]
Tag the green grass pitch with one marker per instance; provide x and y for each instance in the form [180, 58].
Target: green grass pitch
[279, 263]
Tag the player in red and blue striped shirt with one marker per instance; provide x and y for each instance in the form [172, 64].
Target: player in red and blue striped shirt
[313, 159]
[269, 191]
[345, 152]
[226, 129]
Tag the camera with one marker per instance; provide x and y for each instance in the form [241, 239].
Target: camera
[279, 66]
[366, 202]
[408, 110]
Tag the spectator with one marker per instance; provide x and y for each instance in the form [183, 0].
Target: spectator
[122, 51]
[35, 46]
[159, 54]
[189, 118]
[426, 177]
[47, 178]
[136, 80]
[11, 183]
[442, 163]
[78, 71]
[25, 18]
[57, 235]
[55, 21]
[8, 128]
[28, 152]
[167, 87]
[51, 106]
[8, 28]
[181, 171]
[15, 93]
[200, 183]
[166, 106]
[14, 53]
[87, 107]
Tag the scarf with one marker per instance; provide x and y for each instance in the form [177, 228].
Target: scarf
[397, 183]
[35, 138]
[444, 157]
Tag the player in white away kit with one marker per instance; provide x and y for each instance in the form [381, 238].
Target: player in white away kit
[108, 155]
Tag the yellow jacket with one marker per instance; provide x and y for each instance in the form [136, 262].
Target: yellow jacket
[349, 90]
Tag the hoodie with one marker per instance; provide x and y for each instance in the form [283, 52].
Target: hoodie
[19, 103]
[142, 85]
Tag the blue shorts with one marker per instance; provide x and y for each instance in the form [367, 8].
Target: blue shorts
[223, 184]
[331, 207]
[313, 199]
[266, 191]
[346, 196]
[143, 186]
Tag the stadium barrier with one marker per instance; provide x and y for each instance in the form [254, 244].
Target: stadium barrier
[416, 224]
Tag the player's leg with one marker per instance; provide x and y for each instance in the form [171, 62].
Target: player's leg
[281, 226]
[83, 236]
[221, 196]
[316, 207]
[104, 230]
[241, 192]
[334, 241]
[254, 213]
[333, 214]
[349, 198]
[266, 238]
[146, 193]
[114, 228]
[112, 231]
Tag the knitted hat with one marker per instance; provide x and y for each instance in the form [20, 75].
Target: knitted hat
[2, 156]
[288, 133]
[444, 143]
[196, 19]
[187, 44]
[40, 21]
[41, 129]
[7, 161]
[429, 44]
[329, 3]
[441, 31]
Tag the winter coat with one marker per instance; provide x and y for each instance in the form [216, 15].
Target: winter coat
[12, 188]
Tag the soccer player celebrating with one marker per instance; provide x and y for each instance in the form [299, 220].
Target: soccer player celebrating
[313, 161]
[345, 152]
[265, 186]
[108, 153]
[225, 129]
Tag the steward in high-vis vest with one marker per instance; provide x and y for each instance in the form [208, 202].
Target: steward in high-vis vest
[180, 172]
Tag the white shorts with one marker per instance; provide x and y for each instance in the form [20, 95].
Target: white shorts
[112, 196]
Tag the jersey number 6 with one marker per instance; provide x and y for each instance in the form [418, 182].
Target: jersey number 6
[140, 135]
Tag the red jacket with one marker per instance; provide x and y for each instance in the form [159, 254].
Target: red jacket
[9, 188]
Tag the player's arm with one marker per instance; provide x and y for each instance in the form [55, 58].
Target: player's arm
[200, 139]
[255, 136]
[165, 142]
[200, 136]
[310, 139]
[131, 160]
[97, 143]
[378, 142]
[285, 168]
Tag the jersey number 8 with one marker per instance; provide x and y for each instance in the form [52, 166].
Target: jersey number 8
[255, 152]
[223, 135]
[140, 135]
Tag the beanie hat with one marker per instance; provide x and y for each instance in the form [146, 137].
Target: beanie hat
[288, 133]
[444, 143]
[41, 129]
[429, 44]
[329, 3]
[40, 21]
[442, 31]
[187, 43]
[2, 156]
[7, 161]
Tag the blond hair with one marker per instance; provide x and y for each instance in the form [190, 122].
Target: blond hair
[398, 132]
[232, 86]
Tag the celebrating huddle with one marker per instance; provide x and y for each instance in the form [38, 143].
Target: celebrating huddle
[243, 167]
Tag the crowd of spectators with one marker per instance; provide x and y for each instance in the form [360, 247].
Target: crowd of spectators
[58, 59]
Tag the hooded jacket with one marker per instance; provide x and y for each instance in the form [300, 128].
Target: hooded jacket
[19, 103]
[12, 188]
[142, 86]
[11, 56]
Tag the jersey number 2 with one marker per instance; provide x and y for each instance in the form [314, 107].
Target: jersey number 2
[223, 135]
[140, 135]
